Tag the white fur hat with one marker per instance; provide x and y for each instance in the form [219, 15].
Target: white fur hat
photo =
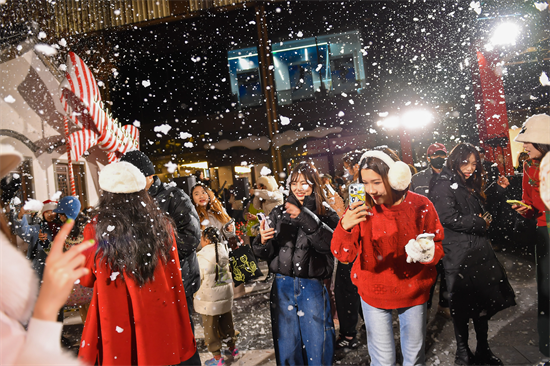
[268, 181]
[121, 177]
[399, 174]
[536, 130]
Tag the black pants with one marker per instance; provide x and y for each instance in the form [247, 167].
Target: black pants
[443, 295]
[543, 288]
[348, 301]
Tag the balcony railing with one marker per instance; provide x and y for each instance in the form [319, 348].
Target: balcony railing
[83, 16]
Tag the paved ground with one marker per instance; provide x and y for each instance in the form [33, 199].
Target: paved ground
[512, 332]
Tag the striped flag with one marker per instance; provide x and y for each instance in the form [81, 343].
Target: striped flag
[81, 100]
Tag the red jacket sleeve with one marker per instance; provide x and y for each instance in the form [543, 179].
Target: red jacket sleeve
[89, 279]
[432, 225]
[345, 244]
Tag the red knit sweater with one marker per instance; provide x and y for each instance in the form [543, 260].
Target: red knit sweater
[382, 275]
[531, 191]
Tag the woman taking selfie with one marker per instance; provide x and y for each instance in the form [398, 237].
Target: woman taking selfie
[396, 237]
[477, 284]
[295, 240]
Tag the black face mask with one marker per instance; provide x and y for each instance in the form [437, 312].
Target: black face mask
[437, 163]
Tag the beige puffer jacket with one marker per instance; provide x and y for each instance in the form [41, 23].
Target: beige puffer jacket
[214, 298]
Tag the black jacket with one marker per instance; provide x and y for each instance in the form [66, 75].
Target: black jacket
[476, 280]
[301, 246]
[177, 204]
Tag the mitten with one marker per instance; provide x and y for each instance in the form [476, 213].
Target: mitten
[421, 249]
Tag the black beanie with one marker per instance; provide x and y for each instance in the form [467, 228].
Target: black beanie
[140, 161]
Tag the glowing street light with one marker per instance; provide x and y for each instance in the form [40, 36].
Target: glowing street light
[505, 34]
[412, 119]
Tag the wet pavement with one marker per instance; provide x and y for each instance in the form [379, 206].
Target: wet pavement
[512, 332]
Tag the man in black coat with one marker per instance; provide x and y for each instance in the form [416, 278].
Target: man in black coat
[177, 204]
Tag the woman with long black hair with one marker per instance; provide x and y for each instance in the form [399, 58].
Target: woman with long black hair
[138, 314]
[295, 241]
[476, 281]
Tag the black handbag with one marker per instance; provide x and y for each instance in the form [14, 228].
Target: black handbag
[244, 265]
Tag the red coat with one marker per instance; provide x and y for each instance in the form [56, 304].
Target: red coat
[132, 325]
[531, 191]
[382, 275]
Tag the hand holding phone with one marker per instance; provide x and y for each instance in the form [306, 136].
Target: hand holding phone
[356, 193]
[516, 202]
[263, 220]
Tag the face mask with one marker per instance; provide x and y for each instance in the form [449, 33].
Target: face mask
[437, 163]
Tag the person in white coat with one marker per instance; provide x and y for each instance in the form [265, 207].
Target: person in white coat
[267, 196]
[214, 299]
[39, 343]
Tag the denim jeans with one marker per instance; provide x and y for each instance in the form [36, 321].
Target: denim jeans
[380, 339]
[303, 331]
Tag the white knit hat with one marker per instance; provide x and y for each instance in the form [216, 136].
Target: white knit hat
[399, 175]
[121, 177]
[536, 130]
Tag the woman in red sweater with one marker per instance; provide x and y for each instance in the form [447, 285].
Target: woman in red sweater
[396, 267]
[535, 136]
[138, 314]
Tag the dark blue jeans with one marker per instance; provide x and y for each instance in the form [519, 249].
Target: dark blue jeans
[303, 331]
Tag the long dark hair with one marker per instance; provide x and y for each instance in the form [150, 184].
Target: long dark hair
[213, 235]
[382, 169]
[459, 156]
[132, 233]
[312, 177]
[214, 206]
[542, 148]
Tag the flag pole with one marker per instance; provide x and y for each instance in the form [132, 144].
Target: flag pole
[70, 164]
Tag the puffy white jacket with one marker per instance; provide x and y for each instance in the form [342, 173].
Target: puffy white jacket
[40, 343]
[214, 298]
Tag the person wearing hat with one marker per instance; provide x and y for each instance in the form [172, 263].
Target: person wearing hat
[395, 265]
[30, 333]
[177, 204]
[535, 136]
[38, 236]
[138, 314]
[436, 155]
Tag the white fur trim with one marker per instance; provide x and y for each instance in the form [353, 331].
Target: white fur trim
[399, 174]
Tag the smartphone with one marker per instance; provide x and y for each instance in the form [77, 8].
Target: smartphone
[356, 193]
[516, 202]
[261, 216]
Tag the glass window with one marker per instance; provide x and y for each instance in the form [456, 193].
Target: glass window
[244, 76]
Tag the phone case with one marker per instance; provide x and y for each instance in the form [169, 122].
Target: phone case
[356, 193]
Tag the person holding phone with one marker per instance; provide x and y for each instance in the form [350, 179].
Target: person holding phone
[535, 136]
[476, 281]
[395, 265]
[297, 247]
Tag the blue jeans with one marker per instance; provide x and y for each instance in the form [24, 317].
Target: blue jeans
[412, 321]
[303, 331]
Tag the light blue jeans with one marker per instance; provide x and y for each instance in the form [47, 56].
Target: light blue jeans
[380, 339]
[303, 330]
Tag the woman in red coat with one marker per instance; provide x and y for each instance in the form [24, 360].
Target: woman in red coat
[138, 314]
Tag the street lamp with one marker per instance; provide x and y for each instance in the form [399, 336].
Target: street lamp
[412, 119]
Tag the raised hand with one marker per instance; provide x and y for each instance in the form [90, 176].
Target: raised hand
[266, 233]
[292, 210]
[60, 273]
[357, 213]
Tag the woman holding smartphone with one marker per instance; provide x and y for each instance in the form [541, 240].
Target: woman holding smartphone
[297, 247]
[535, 136]
[395, 267]
[477, 284]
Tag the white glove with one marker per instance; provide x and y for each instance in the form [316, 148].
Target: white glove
[421, 249]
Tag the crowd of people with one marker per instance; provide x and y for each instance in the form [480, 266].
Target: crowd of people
[148, 256]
